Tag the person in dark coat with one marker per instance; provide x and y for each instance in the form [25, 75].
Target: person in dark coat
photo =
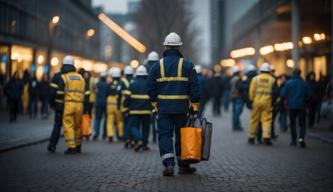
[43, 92]
[217, 92]
[13, 91]
[314, 98]
[33, 96]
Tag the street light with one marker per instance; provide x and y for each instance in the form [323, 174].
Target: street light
[90, 33]
[55, 20]
[134, 63]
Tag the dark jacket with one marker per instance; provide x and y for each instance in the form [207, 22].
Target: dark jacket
[101, 93]
[236, 87]
[296, 93]
[14, 89]
[43, 89]
[150, 65]
[203, 82]
[137, 101]
[33, 87]
[217, 87]
[114, 90]
[174, 90]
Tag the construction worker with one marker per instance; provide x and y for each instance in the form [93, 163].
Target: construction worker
[174, 92]
[153, 58]
[261, 97]
[72, 88]
[114, 115]
[124, 85]
[139, 109]
[100, 104]
[56, 102]
[202, 87]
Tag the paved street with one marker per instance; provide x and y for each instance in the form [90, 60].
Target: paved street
[234, 166]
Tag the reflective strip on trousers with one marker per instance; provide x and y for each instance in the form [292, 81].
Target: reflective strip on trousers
[74, 101]
[173, 97]
[167, 155]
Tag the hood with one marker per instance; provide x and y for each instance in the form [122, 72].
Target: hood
[172, 52]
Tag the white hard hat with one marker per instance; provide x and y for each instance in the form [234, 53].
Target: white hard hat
[198, 68]
[128, 70]
[235, 69]
[153, 56]
[141, 71]
[173, 39]
[251, 68]
[115, 72]
[68, 60]
[103, 74]
[265, 67]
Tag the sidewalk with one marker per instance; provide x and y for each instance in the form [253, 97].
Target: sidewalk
[322, 131]
[24, 131]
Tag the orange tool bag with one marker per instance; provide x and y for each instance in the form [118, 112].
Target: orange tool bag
[86, 125]
[191, 140]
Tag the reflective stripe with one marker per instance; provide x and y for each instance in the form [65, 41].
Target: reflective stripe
[54, 85]
[58, 101]
[172, 96]
[162, 68]
[167, 155]
[74, 101]
[163, 79]
[125, 92]
[139, 96]
[73, 91]
[125, 82]
[60, 92]
[140, 112]
[180, 66]
[87, 92]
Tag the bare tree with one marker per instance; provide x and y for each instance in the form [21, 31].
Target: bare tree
[157, 18]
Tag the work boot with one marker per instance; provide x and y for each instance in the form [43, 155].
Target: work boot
[127, 144]
[187, 170]
[302, 143]
[78, 149]
[168, 171]
[51, 149]
[70, 151]
[251, 141]
[259, 141]
[138, 146]
[268, 142]
[110, 139]
[145, 148]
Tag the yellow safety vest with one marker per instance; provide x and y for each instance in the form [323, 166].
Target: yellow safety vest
[74, 87]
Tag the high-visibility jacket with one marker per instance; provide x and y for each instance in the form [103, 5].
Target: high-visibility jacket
[113, 93]
[173, 84]
[93, 89]
[137, 101]
[124, 85]
[262, 89]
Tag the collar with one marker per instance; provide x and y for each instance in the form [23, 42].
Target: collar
[172, 52]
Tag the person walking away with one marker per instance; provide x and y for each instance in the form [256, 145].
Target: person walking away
[226, 92]
[72, 89]
[217, 92]
[261, 95]
[237, 96]
[174, 91]
[152, 59]
[114, 115]
[13, 91]
[124, 85]
[295, 93]
[314, 98]
[100, 105]
[33, 95]
[283, 109]
[275, 105]
[203, 89]
[43, 92]
[139, 109]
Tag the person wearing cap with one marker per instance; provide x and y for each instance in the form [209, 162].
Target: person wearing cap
[153, 58]
[296, 93]
[237, 97]
[173, 89]
[139, 109]
[202, 88]
[261, 92]
[114, 115]
[72, 92]
[100, 104]
[124, 85]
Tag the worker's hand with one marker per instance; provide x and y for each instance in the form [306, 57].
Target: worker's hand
[194, 108]
[154, 105]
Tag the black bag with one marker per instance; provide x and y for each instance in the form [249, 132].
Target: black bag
[207, 129]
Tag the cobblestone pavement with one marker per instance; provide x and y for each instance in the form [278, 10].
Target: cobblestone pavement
[234, 166]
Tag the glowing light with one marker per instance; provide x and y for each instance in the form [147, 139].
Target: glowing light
[290, 63]
[15, 56]
[134, 63]
[319, 37]
[40, 59]
[99, 67]
[266, 50]
[90, 32]
[54, 61]
[307, 40]
[122, 33]
[227, 62]
[248, 51]
[55, 19]
[283, 46]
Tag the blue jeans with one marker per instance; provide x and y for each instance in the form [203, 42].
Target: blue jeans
[283, 120]
[169, 124]
[139, 125]
[45, 109]
[237, 109]
[99, 113]
[226, 99]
